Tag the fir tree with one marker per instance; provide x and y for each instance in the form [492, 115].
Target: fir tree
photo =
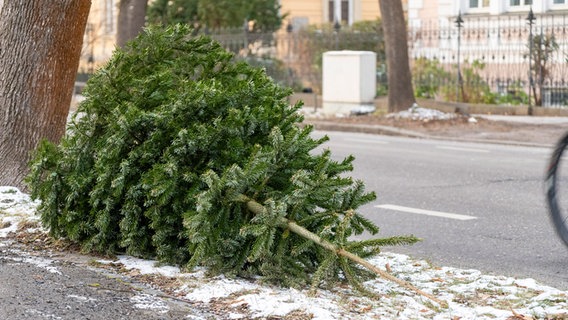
[179, 153]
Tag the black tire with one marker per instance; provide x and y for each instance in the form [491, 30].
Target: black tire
[554, 183]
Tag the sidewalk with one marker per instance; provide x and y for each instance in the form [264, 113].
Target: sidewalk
[525, 119]
[531, 131]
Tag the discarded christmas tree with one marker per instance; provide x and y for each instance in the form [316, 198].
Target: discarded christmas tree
[179, 153]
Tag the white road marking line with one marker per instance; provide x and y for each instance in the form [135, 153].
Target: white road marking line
[426, 212]
[366, 141]
[463, 149]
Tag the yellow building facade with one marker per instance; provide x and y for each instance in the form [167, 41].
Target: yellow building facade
[302, 13]
[100, 35]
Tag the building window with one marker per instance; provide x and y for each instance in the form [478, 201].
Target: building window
[343, 13]
[520, 5]
[109, 16]
[556, 5]
[478, 3]
[520, 2]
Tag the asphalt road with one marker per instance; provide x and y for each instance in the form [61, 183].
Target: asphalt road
[474, 205]
[36, 287]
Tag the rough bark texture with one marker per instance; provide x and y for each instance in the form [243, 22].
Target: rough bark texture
[40, 48]
[401, 94]
[131, 20]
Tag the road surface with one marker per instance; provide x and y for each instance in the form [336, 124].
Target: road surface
[474, 205]
[36, 287]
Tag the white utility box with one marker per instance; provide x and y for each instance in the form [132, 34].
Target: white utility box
[349, 80]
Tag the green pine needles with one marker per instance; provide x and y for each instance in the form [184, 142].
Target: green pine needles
[181, 154]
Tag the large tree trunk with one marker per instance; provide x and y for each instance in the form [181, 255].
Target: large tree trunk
[40, 48]
[401, 94]
[131, 20]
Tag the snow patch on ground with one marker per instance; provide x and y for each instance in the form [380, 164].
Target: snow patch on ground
[8, 224]
[15, 207]
[149, 302]
[146, 266]
[422, 114]
[38, 262]
[81, 298]
[469, 293]
[414, 113]
[14, 202]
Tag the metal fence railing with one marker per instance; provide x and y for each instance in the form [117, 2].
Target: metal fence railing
[496, 58]
[294, 58]
[493, 54]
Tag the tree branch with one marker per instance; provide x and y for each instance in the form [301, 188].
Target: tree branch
[258, 208]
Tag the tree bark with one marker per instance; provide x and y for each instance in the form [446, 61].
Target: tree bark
[131, 20]
[400, 93]
[40, 48]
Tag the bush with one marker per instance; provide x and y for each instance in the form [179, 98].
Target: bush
[473, 88]
[277, 70]
[174, 144]
[315, 40]
[428, 77]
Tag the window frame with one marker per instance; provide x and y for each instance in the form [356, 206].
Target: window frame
[559, 6]
[345, 7]
[109, 16]
[480, 4]
[481, 8]
[522, 6]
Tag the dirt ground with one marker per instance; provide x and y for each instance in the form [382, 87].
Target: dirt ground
[461, 128]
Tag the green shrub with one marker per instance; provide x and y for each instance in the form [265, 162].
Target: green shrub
[473, 88]
[315, 40]
[277, 70]
[173, 140]
[428, 76]
[514, 95]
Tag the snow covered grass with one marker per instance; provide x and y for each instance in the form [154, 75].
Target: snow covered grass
[414, 113]
[422, 114]
[15, 207]
[469, 293]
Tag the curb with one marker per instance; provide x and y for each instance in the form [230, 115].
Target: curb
[393, 131]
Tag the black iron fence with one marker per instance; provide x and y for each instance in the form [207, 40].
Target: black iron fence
[497, 56]
[502, 59]
[294, 58]
[506, 59]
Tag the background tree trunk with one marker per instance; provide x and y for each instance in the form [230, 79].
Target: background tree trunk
[400, 94]
[39, 57]
[131, 20]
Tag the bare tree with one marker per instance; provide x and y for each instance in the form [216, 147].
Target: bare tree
[401, 94]
[39, 57]
[131, 20]
[544, 47]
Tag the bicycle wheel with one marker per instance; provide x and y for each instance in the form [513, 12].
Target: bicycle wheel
[557, 188]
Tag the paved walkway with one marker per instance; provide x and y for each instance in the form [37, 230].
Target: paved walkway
[525, 119]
